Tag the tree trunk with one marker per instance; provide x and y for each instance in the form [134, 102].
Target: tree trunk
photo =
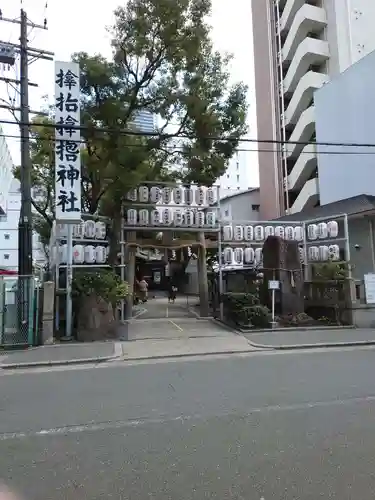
[130, 274]
[202, 276]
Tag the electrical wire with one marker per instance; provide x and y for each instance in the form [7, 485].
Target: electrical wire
[134, 133]
[177, 150]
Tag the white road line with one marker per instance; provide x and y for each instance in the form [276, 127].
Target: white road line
[92, 427]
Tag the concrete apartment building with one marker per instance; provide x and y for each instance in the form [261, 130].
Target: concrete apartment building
[299, 45]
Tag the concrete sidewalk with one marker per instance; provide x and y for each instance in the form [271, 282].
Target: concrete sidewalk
[61, 354]
[146, 340]
[297, 339]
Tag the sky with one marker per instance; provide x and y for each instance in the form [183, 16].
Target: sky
[80, 25]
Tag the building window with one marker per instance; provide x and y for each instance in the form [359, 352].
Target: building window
[226, 213]
[238, 178]
[6, 236]
[227, 176]
[238, 165]
[255, 208]
[6, 256]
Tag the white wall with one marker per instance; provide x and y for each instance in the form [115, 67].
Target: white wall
[9, 232]
[236, 177]
[345, 111]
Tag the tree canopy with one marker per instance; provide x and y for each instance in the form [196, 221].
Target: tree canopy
[163, 62]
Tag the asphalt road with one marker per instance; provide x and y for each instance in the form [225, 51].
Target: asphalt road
[272, 426]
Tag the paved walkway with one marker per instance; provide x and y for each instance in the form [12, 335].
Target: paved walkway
[312, 338]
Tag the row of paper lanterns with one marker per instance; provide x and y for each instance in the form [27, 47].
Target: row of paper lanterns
[166, 217]
[178, 195]
[82, 254]
[251, 256]
[88, 229]
[322, 230]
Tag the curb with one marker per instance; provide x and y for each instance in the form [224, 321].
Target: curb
[40, 364]
[297, 329]
[322, 345]
[191, 355]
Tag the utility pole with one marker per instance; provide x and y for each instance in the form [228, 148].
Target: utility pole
[25, 229]
[25, 250]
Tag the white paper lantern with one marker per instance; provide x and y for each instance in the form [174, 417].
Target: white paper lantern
[238, 233]
[90, 229]
[189, 218]
[333, 229]
[301, 255]
[131, 217]
[289, 233]
[173, 254]
[259, 233]
[258, 256]
[132, 195]
[211, 219]
[155, 194]
[89, 254]
[322, 231]
[178, 195]
[100, 230]
[298, 233]
[269, 231]
[63, 253]
[199, 196]
[323, 253]
[228, 256]
[189, 252]
[78, 254]
[249, 233]
[227, 233]
[61, 230]
[313, 254]
[107, 252]
[143, 194]
[334, 252]
[189, 196]
[312, 232]
[78, 231]
[211, 198]
[199, 219]
[155, 218]
[100, 254]
[166, 195]
[166, 216]
[280, 232]
[144, 217]
[249, 255]
[178, 218]
[238, 256]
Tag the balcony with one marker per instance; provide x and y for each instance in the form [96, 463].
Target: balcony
[309, 19]
[310, 52]
[307, 198]
[303, 95]
[302, 132]
[303, 168]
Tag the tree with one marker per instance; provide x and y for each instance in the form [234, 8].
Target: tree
[163, 62]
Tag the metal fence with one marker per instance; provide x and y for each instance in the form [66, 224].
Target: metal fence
[19, 310]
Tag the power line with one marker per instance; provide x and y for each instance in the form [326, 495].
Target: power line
[240, 150]
[134, 133]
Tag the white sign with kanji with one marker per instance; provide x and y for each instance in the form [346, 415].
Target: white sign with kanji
[68, 140]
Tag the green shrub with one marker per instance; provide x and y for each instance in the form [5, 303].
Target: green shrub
[244, 309]
[104, 283]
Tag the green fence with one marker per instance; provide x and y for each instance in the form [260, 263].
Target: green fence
[19, 311]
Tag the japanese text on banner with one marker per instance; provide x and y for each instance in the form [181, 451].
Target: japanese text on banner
[67, 149]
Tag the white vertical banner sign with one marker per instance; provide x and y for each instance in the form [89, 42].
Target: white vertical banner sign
[67, 148]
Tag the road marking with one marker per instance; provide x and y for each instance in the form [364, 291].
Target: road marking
[110, 425]
[176, 326]
[167, 312]
[139, 313]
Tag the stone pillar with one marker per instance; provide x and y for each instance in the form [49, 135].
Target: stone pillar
[48, 313]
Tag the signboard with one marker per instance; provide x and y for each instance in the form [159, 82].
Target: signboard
[273, 285]
[369, 280]
[67, 146]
